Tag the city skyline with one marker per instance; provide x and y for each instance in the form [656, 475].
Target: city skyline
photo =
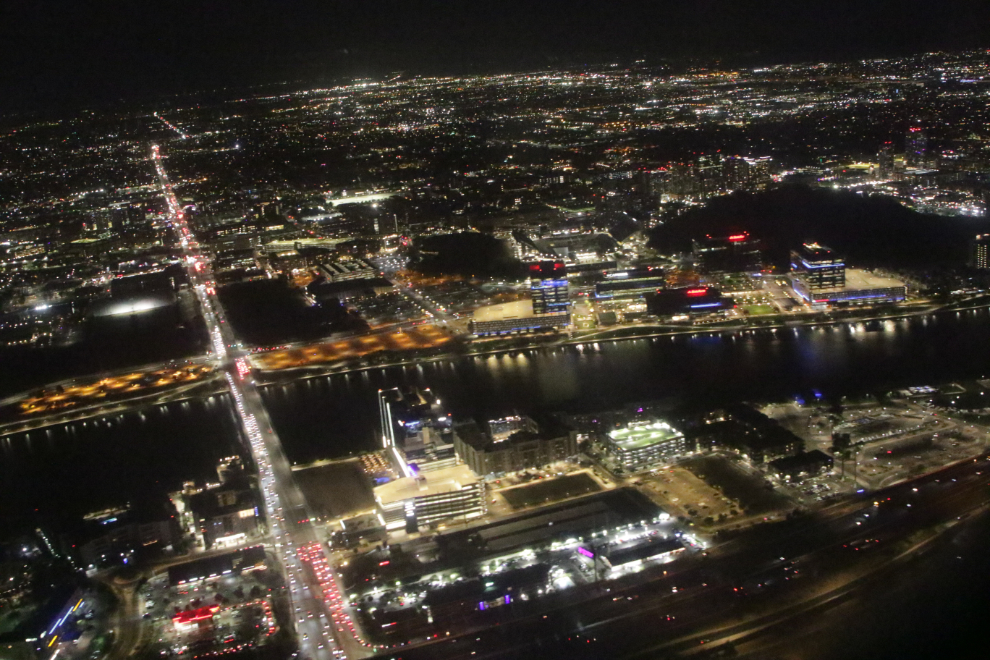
[69, 56]
[496, 331]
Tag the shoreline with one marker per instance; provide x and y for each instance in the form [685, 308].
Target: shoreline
[267, 378]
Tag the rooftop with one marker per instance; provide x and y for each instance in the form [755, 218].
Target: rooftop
[861, 279]
[643, 435]
[511, 310]
[444, 480]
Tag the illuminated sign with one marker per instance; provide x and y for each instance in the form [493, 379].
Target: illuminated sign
[735, 238]
[192, 616]
[694, 293]
[586, 552]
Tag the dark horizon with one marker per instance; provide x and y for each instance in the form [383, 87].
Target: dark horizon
[63, 57]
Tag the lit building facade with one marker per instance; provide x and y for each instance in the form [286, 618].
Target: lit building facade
[426, 499]
[818, 267]
[981, 252]
[916, 147]
[642, 445]
[697, 300]
[548, 287]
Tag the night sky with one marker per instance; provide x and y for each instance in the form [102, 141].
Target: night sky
[67, 53]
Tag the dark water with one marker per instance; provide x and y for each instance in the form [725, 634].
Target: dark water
[334, 415]
[58, 474]
[68, 470]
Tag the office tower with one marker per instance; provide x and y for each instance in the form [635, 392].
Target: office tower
[916, 147]
[548, 287]
[818, 266]
[886, 160]
[980, 252]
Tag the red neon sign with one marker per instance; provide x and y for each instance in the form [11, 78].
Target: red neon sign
[694, 293]
[191, 616]
[737, 237]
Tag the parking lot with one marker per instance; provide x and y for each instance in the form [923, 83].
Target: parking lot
[221, 615]
[550, 490]
[679, 491]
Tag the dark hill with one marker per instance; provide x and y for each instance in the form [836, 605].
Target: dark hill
[869, 231]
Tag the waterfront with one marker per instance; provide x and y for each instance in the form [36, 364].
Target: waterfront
[334, 415]
[66, 470]
[62, 472]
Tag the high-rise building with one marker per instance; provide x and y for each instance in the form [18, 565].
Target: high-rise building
[548, 287]
[746, 173]
[916, 147]
[886, 160]
[818, 267]
[980, 255]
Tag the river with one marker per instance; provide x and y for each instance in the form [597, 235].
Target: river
[143, 454]
[334, 415]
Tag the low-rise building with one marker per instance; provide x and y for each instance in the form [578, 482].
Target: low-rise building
[523, 447]
[451, 493]
[225, 515]
[807, 463]
[642, 444]
[760, 438]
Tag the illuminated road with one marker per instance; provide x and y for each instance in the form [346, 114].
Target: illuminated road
[323, 625]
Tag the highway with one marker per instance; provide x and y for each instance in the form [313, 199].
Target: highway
[322, 621]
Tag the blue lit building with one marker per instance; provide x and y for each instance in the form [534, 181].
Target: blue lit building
[818, 267]
[548, 287]
[820, 277]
